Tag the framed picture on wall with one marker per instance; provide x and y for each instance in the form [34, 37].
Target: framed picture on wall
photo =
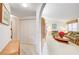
[54, 26]
[5, 15]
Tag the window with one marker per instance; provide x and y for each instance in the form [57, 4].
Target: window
[75, 26]
[72, 27]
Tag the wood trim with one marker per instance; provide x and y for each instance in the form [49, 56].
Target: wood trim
[43, 31]
[43, 28]
[1, 12]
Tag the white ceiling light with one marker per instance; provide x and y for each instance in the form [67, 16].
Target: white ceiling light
[24, 5]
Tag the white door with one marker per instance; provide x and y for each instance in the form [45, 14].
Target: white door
[27, 36]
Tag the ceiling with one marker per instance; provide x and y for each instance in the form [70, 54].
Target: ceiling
[61, 10]
[18, 10]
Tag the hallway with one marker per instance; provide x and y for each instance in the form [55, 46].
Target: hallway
[18, 28]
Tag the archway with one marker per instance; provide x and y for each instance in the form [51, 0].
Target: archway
[38, 28]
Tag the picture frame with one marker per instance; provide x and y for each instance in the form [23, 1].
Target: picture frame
[5, 15]
[54, 26]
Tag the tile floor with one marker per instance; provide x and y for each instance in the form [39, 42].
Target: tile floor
[27, 49]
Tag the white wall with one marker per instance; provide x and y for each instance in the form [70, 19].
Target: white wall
[18, 28]
[15, 27]
[38, 27]
[60, 12]
[61, 25]
[5, 33]
[5, 30]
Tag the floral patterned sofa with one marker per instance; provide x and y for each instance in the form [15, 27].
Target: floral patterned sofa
[73, 36]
